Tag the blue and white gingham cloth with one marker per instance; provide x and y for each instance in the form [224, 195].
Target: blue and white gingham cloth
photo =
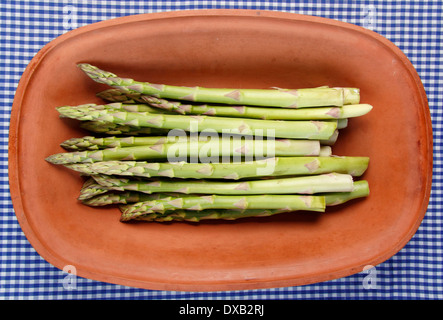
[414, 26]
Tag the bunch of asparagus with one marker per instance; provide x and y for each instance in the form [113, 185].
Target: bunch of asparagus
[174, 153]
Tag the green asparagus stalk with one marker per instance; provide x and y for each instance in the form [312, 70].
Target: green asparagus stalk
[111, 198]
[361, 190]
[249, 202]
[197, 216]
[314, 113]
[116, 95]
[118, 106]
[104, 127]
[98, 143]
[112, 128]
[127, 197]
[142, 211]
[278, 166]
[318, 113]
[276, 97]
[313, 130]
[341, 122]
[204, 151]
[330, 182]
[91, 189]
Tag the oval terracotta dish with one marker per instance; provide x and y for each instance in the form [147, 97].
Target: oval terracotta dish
[224, 48]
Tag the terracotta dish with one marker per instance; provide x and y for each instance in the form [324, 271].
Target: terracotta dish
[224, 48]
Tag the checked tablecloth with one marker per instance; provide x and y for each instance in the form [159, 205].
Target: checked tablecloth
[415, 272]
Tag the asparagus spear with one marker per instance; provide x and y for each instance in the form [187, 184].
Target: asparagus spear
[267, 201]
[330, 182]
[91, 189]
[286, 98]
[204, 151]
[142, 211]
[341, 122]
[116, 95]
[126, 107]
[314, 113]
[279, 166]
[196, 216]
[111, 128]
[104, 127]
[313, 130]
[361, 190]
[110, 197]
[249, 202]
[97, 143]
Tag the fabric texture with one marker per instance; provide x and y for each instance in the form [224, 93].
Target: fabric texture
[415, 272]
